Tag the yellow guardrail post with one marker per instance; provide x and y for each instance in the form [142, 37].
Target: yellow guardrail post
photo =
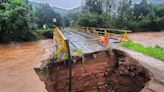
[94, 31]
[62, 45]
[106, 33]
[125, 37]
[60, 42]
[110, 35]
[87, 30]
[84, 29]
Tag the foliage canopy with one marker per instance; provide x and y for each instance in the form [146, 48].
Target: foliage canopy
[122, 14]
[15, 21]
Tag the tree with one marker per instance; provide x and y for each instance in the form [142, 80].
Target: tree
[107, 5]
[66, 22]
[45, 15]
[121, 14]
[15, 21]
[124, 13]
[88, 20]
[159, 10]
[94, 6]
[74, 18]
[125, 9]
[141, 10]
[2, 4]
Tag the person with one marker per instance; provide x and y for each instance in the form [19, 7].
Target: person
[104, 40]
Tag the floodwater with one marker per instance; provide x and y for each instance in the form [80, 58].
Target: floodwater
[148, 39]
[17, 61]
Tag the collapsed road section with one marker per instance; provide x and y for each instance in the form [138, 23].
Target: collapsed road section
[104, 71]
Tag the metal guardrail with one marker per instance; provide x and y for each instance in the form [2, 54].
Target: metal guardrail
[62, 47]
[108, 32]
[60, 43]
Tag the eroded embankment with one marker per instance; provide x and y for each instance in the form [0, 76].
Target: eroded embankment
[106, 71]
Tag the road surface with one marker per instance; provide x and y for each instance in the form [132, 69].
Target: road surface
[155, 66]
[87, 42]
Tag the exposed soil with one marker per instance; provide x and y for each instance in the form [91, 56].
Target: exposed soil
[103, 71]
[126, 75]
[148, 38]
[154, 65]
[16, 64]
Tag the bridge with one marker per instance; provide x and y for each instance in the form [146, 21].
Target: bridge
[82, 61]
[86, 40]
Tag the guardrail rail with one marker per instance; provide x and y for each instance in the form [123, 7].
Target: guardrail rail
[62, 48]
[108, 33]
[60, 44]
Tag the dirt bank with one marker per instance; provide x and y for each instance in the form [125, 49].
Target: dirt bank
[154, 65]
[103, 71]
[16, 65]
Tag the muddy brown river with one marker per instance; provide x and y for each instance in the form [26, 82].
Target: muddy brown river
[16, 66]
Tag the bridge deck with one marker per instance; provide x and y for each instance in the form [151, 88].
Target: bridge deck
[88, 43]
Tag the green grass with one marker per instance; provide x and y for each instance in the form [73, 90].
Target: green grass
[77, 52]
[40, 32]
[73, 28]
[156, 52]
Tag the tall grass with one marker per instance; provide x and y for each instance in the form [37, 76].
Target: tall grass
[156, 52]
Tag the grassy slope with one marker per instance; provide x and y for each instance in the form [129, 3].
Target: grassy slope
[156, 52]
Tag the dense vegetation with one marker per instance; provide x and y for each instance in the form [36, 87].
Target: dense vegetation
[15, 21]
[122, 14]
[44, 15]
[19, 21]
[157, 51]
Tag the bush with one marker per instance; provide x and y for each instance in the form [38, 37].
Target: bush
[44, 33]
[16, 21]
[48, 34]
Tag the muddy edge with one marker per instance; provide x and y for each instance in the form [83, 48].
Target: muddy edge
[104, 71]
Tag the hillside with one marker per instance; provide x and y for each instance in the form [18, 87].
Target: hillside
[62, 12]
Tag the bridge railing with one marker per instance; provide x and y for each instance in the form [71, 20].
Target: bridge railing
[62, 48]
[111, 33]
[60, 44]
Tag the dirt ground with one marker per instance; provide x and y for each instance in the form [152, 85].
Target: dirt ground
[104, 71]
[154, 65]
[148, 38]
[16, 65]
